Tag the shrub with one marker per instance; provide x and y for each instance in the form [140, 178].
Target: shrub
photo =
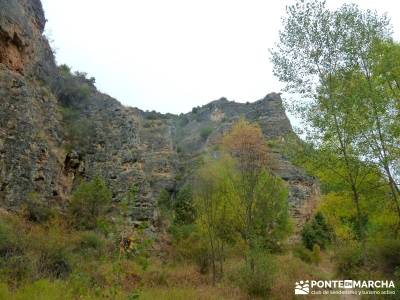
[180, 232]
[189, 245]
[36, 210]
[205, 132]
[385, 253]
[17, 268]
[183, 206]
[152, 115]
[193, 247]
[164, 200]
[303, 253]
[54, 263]
[89, 203]
[14, 264]
[91, 241]
[72, 89]
[9, 241]
[81, 133]
[257, 280]
[183, 120]
[50, 247]
[349, 259]
[317, 232]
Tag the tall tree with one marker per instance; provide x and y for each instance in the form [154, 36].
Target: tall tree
[215, 202]
[376, 75]
[321, 56]
[263, 197]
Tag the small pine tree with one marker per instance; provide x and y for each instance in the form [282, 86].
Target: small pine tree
[317, 231]
[89, 203]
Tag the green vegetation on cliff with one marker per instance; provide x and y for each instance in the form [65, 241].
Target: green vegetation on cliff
[235, 219]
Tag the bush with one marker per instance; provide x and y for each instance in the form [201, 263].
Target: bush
[54, 263]
[81, 133]
[317, 232]
[164, 200]
[303, 253]
[91, 241]
[31, 251]
[80, 130]
[205, 132]
[183, 120]
[9, 240]
[183, 207]
[152, 115]
[72, 89]
[89, 204]
[181, 232]
[14, 264]
[17, 268]
[349, 260]
[189, 245]
[257, 280]
[385, 253]
[36, 210]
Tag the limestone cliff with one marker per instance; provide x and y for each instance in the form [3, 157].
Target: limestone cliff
[55, 127]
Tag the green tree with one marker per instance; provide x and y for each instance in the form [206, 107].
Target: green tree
[184, 212]
[317, 54]
[271, 215]
[373, 82]
[205, 132]
[89, 203]
[263, 210]
[316, 232]
[216, 202]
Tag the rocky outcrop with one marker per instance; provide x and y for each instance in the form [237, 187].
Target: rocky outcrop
[129, 148]
[218, 116]
[30, 130]
[23, 48]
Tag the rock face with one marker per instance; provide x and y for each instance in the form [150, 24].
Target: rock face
[129, 148]
[217, 118]
[30, 131]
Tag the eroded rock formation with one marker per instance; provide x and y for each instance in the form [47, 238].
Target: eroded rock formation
[127, 147]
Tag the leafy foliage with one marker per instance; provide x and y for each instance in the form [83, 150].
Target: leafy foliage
[184, 212]
[259, 280]
[89, 203]
[351, 114]
[205, 132]
[72, 89]
[36, 209]
[316, 232]
[238, 199]
[80, 131]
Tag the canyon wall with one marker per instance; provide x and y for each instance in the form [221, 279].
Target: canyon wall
[129, 148]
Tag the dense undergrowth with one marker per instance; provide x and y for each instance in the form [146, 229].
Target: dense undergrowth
[54, 261]
[201, 249]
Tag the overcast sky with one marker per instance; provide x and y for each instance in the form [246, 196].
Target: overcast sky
[173, 55]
